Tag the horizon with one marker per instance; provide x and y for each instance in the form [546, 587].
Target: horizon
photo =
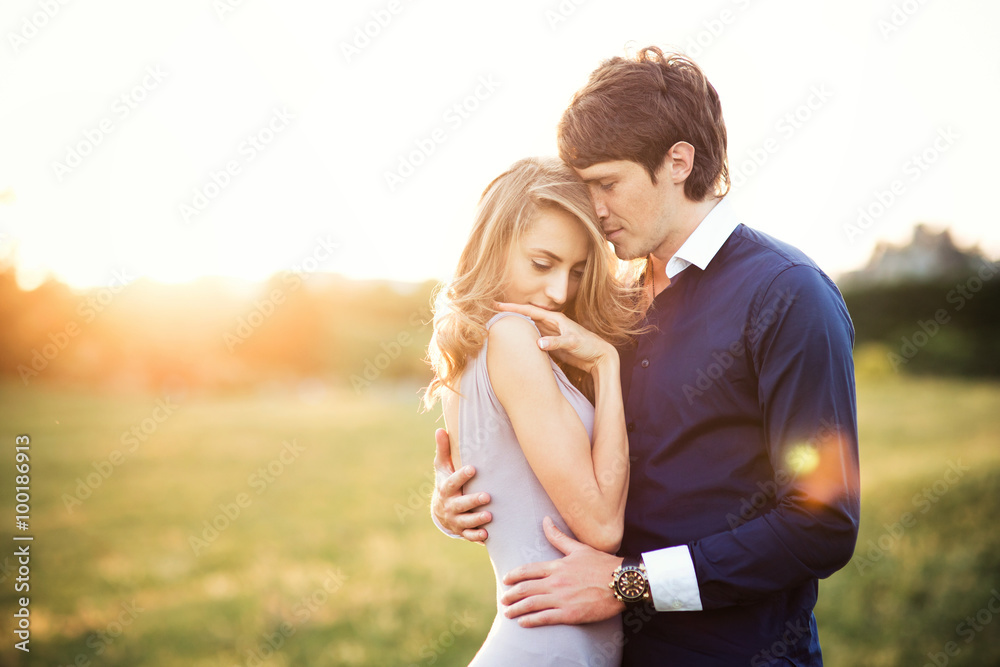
[247, 286]
[245, 139]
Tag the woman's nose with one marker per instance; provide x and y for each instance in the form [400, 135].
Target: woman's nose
[557, 289]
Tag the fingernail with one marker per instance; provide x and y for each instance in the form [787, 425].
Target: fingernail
[543, 343]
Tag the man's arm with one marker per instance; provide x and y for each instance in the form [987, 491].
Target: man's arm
[800, 340]
[571, 590]
[452, 512]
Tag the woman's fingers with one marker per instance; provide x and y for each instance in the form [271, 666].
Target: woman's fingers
[541, 316]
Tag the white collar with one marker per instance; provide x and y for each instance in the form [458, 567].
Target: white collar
[706, 239]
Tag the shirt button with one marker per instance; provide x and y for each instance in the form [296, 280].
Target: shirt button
[677, 604]
[630, 427]
[645, 363]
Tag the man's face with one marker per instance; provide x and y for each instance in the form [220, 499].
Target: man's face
[636, 215]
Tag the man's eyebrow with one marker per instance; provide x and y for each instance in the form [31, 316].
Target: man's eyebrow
[600, 177]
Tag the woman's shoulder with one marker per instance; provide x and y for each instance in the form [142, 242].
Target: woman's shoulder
[509, 336]
[513, 359]
[506, 321]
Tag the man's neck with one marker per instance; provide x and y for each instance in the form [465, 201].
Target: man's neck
[692, 216]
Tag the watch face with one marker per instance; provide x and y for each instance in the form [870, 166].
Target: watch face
[631, 584]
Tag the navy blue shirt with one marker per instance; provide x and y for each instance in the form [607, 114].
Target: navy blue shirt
[742, 420]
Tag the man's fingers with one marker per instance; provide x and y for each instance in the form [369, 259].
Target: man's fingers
[530, 605]
[525, 590]
[554, 616]
[469, 521]
[442, 454]
[559, 539]
[469, 502]
[453, 484]
[526, 572]
[475, 535]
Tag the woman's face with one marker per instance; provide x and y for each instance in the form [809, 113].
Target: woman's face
[547, 265]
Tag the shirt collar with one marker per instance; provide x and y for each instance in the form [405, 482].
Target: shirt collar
[706, 239]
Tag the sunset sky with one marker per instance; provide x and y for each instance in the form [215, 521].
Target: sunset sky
[244, 138]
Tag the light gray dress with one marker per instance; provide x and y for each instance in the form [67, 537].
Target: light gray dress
[518, 503]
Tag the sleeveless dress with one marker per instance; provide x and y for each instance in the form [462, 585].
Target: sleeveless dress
[518, 503]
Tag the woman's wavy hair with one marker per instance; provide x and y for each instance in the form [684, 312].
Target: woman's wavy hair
[608, 301]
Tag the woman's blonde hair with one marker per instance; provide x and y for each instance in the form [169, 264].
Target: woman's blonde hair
[605, 302]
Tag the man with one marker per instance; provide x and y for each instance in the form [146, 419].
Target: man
[740, 401]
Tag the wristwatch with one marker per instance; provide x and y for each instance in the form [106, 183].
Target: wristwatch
[629, 582]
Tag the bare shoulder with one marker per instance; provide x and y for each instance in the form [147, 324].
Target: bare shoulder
[512, 333]
[514, 360]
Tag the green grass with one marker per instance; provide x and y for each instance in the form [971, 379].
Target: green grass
[336, 559]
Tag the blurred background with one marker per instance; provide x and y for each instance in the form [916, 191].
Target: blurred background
[221, 223]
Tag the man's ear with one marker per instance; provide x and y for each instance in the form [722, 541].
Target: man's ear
[677, 163]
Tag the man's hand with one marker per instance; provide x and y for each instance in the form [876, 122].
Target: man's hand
[571, 590]
[453, 510]
[568, 341]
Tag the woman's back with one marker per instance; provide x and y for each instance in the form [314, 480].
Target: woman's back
[518, 504]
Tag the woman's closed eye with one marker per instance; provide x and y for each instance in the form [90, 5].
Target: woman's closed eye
[539, 266]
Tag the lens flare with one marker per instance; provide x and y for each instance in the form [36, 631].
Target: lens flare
[802, 459]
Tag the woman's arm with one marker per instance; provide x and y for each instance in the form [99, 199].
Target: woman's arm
[588, 485]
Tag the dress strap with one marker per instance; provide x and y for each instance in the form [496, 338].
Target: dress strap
[501, 315]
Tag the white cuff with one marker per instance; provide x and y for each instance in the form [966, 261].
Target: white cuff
[672, 580]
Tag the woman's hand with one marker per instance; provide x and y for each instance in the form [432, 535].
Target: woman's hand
[565, 339]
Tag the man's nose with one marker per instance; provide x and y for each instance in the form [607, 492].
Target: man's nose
[600, 207]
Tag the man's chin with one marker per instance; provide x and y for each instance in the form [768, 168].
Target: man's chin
[623, 253]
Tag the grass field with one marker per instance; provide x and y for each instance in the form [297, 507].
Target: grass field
[291, 528]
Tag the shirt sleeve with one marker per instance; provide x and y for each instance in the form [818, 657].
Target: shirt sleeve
[672, 579]
[800, 340]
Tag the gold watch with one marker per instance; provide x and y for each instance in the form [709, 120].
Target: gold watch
[629, 582]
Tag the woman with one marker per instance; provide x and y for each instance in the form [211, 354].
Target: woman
[523, 420]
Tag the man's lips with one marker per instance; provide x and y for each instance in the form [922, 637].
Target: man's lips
[610, 234]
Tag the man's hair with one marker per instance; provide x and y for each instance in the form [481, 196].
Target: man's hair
[637, 108]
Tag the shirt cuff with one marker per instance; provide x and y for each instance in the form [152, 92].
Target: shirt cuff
[672, 579]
